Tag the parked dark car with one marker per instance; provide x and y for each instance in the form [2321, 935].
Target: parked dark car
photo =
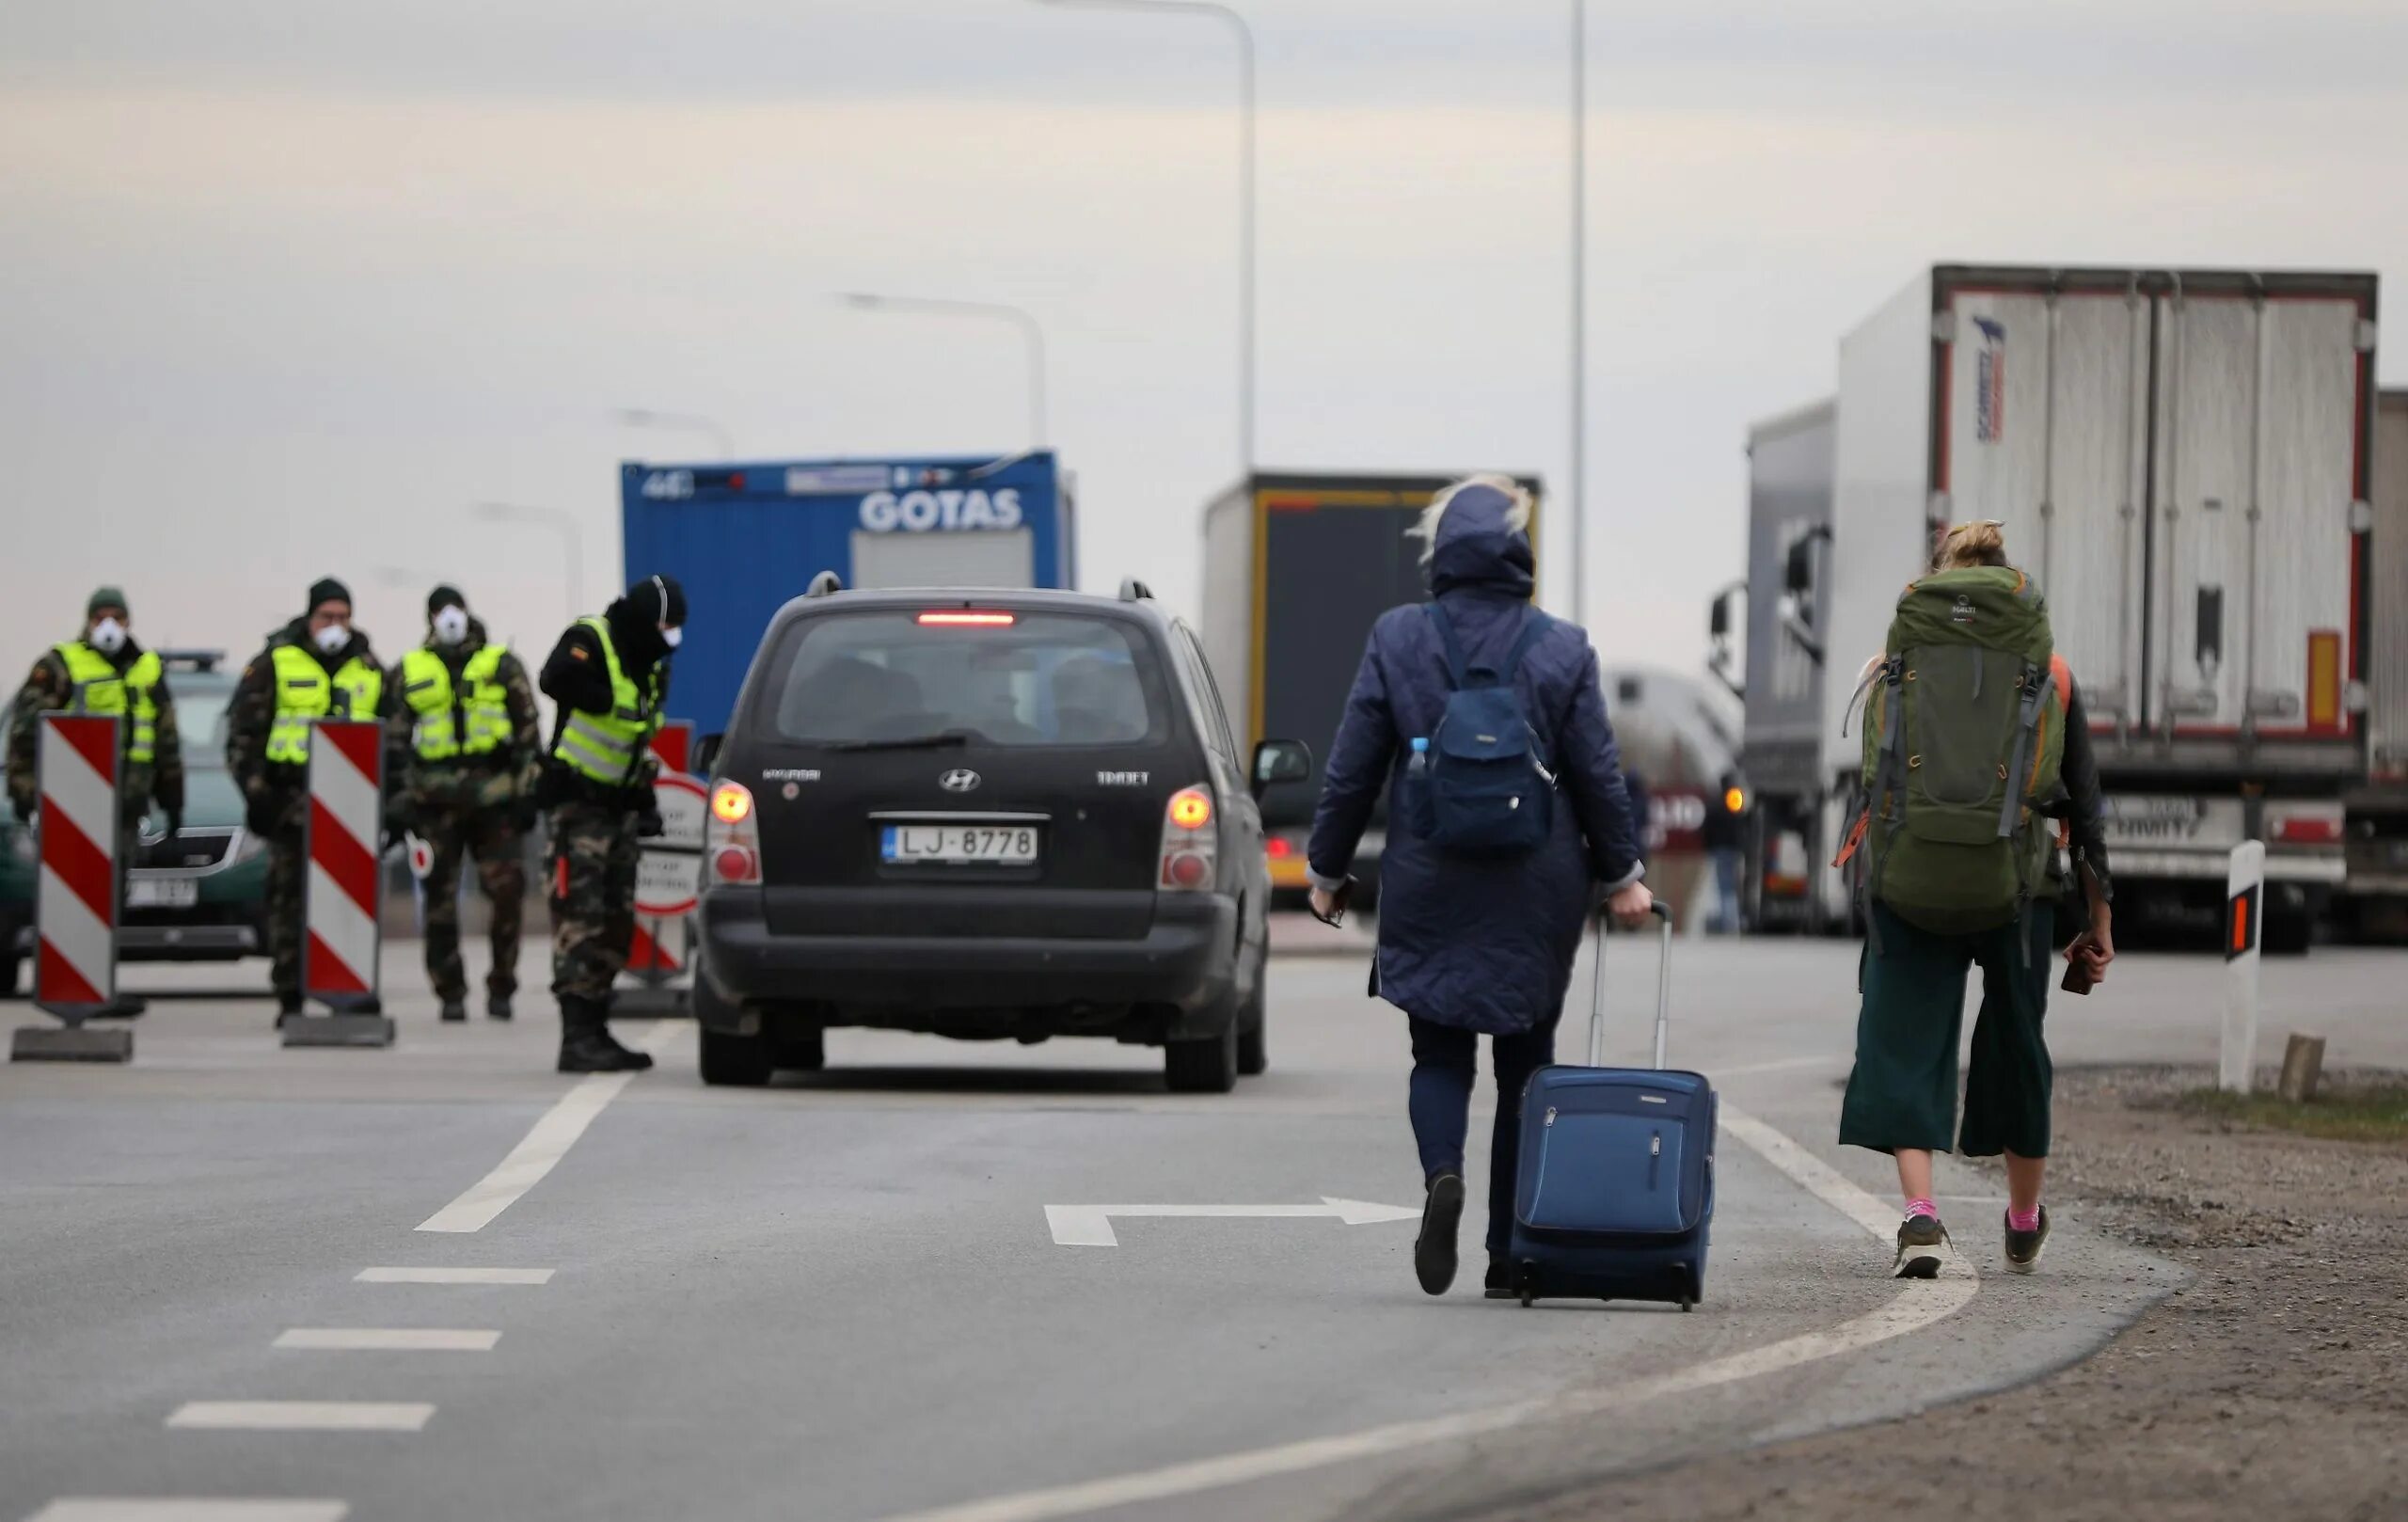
[985, 815]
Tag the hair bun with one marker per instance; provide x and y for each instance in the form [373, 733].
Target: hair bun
[1982, 541]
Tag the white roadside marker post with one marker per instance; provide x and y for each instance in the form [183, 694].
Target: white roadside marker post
[2243, 890]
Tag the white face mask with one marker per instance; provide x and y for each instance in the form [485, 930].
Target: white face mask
[452, 625]
[670, 636]
[108, 636]
[332, 638]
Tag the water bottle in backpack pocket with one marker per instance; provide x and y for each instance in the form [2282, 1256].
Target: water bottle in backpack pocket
[1481, 788]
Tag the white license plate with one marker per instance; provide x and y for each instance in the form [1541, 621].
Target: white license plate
[161, 893]
[959, 845]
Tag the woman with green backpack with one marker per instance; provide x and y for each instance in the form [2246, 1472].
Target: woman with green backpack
[1977, 769]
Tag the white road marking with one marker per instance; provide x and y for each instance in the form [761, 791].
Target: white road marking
[187, 1509]
[302, 1416]
[453, 1276]
[541, 1149]
[386, 1340]
[1090, 1226]
[1914, 1307]
[1785, 1064]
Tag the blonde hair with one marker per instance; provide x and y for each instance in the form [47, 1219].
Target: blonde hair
[1517, 512]
[1982, 541]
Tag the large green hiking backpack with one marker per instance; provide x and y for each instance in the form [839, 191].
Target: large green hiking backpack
[1964, 732]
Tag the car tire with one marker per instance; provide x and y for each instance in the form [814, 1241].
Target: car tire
[802, 1049]
[1205, 1066]
[1254, 1033]
[12, 969]
[735, 1061]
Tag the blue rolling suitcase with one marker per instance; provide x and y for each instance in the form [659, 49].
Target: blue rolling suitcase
[1616, 1184]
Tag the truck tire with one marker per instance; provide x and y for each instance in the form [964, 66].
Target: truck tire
[2289, 932]
[1205, 1066]
[735, 1061]
[12, 969]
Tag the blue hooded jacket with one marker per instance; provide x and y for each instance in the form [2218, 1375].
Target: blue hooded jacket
[1478, 944]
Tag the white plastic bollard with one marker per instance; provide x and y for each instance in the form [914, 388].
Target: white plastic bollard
[2244, 927]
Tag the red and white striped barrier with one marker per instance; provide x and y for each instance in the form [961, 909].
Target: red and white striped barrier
[341, 933]
[75, 907]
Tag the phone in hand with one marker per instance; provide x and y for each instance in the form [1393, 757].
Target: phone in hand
[2078, 978]
[1338, 902]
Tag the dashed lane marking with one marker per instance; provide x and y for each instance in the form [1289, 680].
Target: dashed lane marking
[453, 1276]
[1914, 1307]
[386, 1340]
[187, 1509]
[541, 1149]
[302, 1416]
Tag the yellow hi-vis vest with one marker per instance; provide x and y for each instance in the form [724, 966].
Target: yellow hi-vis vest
[103, 690]
[482, 702]
[608, 748]
[304, 691]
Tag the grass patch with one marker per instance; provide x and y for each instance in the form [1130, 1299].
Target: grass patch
[2375, 1113]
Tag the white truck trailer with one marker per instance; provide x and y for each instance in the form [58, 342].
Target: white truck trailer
[2182, 458]
[2378, 824]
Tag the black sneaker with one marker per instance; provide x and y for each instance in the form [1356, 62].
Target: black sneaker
[1434, 1251]
[498, 1007]
[2023, 1247]
[1499, 1284]
[287, 1006]
[455, 1009]
[1921, 1240]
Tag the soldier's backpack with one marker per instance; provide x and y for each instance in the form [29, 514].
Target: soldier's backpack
[1964, 732]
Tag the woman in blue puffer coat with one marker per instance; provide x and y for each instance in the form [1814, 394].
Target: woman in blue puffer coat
[1472, 944]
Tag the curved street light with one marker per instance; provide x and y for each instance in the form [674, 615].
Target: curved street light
[647, 418]
[945, 306]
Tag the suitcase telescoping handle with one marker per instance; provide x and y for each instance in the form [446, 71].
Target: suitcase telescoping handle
[1663, 914]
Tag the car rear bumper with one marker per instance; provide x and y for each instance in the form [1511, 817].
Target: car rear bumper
[1180, 973]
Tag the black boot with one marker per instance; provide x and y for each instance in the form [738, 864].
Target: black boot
[498, 1007]
[586, 1045]
[1499, 1284]
[287, 1006]
[455, 1009]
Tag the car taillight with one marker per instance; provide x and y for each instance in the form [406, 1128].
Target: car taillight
[732, 838]
[2303, 827]
[1191, 845]
[1279, 848]
[968, 619]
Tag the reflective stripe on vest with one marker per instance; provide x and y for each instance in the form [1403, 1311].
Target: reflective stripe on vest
[99, 688]
[304, 691]
[426, 687]
[608, 747]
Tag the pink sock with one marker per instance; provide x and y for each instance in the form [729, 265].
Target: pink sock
[1922, 1206]
[2023, 1220]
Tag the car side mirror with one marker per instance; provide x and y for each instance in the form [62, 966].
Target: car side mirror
[1798, 576]
[706, 753]
[1718, 622]
[1281, 761]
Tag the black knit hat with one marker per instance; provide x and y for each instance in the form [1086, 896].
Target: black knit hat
[326, 590]
[659, 600]
[446, 596]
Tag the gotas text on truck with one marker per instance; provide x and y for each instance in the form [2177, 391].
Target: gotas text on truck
[918, 512]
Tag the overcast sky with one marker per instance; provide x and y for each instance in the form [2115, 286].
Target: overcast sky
[284, 288]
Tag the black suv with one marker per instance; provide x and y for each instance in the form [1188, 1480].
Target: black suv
[985, 815]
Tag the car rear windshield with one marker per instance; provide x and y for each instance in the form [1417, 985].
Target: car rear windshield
[989, 679]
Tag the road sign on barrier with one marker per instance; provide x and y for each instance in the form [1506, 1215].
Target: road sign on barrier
[346, 813]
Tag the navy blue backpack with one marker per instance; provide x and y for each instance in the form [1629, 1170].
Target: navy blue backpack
[1483, 789]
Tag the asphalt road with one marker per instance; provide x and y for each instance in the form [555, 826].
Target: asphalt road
[843, 1297]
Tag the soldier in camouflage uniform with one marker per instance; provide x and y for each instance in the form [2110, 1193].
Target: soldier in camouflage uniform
[317, 666]
[465, 714]
[116, 677]
[610, 677]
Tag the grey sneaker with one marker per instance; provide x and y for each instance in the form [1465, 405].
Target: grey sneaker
[2023, 1247]
[1921, 1239]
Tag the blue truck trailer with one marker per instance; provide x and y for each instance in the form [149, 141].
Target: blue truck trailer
[745, 538]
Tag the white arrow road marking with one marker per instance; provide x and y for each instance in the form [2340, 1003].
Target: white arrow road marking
[541, 1149]
[303, 1416]
[386, 1340]
[453, 1276]
[1913, 1308]
[1090, 1226]
[187, 1509]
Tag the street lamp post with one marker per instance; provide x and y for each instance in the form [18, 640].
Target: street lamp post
[647, 418]
[1579, 308]
[1245, 35]
[562, 521]
[1018, 317]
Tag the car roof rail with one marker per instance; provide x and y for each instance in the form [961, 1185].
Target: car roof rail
[824, 583]
[1132, 590]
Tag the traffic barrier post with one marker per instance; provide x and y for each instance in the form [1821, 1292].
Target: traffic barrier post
[668, 888]
[342, 932]
[2244, 931]
[79, 893]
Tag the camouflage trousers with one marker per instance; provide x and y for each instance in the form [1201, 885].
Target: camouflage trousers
[490, 835]
[288, 878]
[593, 898]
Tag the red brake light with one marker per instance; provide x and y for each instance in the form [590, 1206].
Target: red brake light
[734, 864]
[2308, 830]
[965, 619]
[1279, 848]
[1187, 870]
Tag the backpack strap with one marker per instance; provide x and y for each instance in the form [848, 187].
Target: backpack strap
[1534, 627]
[2035, 695]
[1456, 674]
